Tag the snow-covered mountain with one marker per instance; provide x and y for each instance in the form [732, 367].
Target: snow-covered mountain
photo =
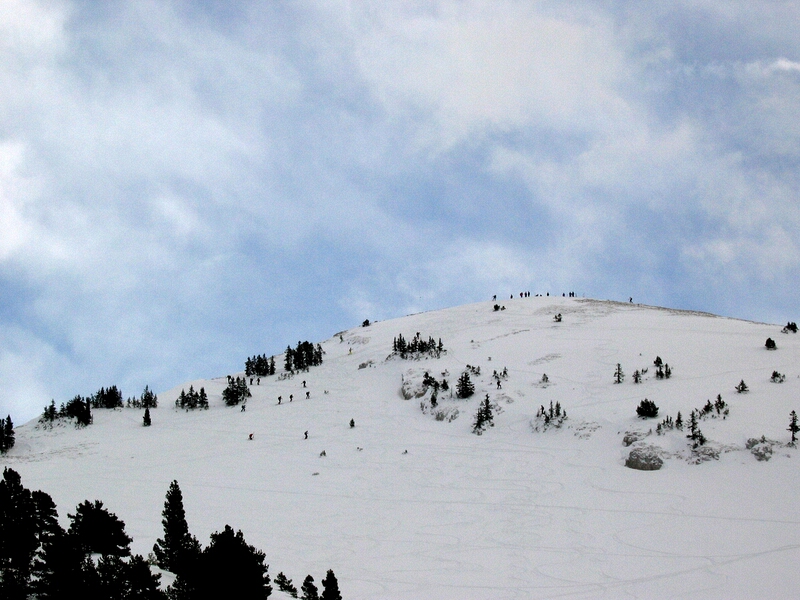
[409, 503]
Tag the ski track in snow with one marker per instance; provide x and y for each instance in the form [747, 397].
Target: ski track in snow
[509, 514]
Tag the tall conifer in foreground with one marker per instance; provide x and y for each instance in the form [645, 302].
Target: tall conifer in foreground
[178, 546]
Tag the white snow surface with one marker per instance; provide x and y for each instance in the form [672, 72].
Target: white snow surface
[407, 506]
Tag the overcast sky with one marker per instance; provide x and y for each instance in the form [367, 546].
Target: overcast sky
[185, 184]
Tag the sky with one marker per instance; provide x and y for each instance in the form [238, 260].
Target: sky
[186, 184]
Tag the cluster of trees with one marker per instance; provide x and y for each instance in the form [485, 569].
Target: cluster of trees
[147, 400]
[554, 417]
[7, 437]
[484, 418]
[718, 409]
[92, 558]
[106, 398]
[192, 399]
[790, 326]
[236, 392]
[302, 357]
[228, 568]
[78, 408]
[663, 371]
[417, 346]
[259, 366]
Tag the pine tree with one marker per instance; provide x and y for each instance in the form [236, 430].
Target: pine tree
[148, 399]
[618, 374]
[309, 590]
[679, 422]
[484, 417]
[793, 427]
[178, 547]
[147, 421]
[6, 434]
[98, 530]
[330, 587]
[464, 386]
[231, 568]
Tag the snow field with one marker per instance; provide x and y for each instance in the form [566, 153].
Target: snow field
[509, 514]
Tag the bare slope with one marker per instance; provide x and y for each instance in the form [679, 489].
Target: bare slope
[405, 506]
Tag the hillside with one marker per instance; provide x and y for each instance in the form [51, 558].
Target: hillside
[407, 506]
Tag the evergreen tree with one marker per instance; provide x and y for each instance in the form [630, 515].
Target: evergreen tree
[148, 399]
[793, 427]
[98, 530]
[330, 587]
[231, 568]
[285, 585]
[618, 374]
[484, 417]
[647, 409]
[178, 547]
[679, 422]
[309, 590]
[18, 541]
[464, 386]
[742, 387]
[6, 434]
[147, 421]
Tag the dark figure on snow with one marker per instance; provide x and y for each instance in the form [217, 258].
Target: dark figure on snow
[630, 299]
[308, 395]
[258, 381]
[243, 407]
[304, 383]
[251, 381]
[494, 298]
[250, 437]
[279, 399]
[499, 387]
[306, 435]
[352, 423]
[291, 397]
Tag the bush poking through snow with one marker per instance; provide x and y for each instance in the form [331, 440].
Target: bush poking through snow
[545, 419]
[741, 388]
[777, 377]
[770, 344]
[647, 409]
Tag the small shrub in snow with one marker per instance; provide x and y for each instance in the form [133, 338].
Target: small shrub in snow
[637, 376]
[790, 326]
[741, 388]
[619, 376]
[365, 323]
[777, 377]
[770, 344]
[647, 409]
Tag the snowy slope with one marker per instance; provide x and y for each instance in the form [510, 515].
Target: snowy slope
[405, 506]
